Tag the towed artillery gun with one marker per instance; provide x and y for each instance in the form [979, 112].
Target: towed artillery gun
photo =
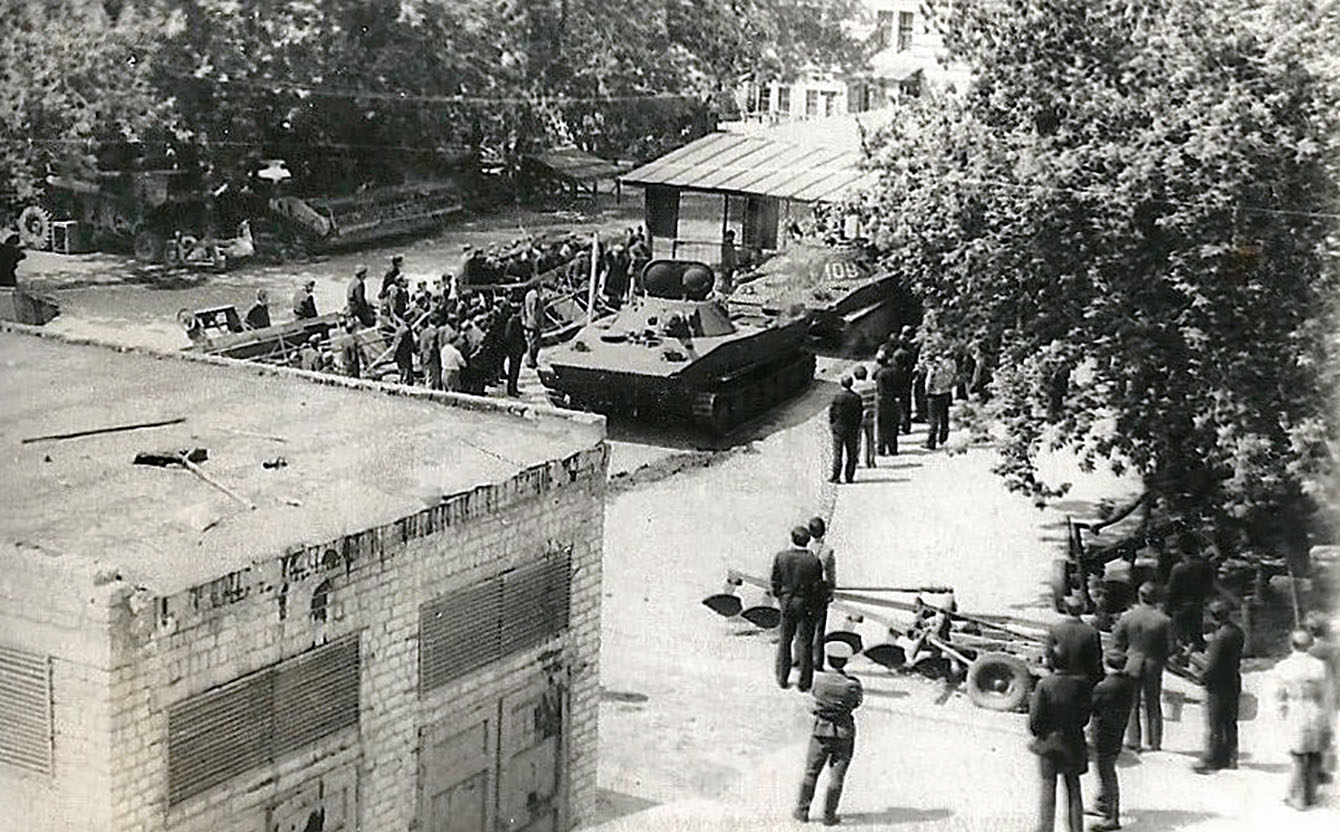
[997, 659]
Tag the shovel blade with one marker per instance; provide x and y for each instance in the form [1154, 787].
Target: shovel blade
[764, 618]
[887, 655]
[726, 606]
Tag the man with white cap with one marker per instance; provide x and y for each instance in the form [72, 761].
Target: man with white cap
[833, 738]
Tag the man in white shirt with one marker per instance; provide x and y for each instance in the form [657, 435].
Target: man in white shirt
[452, 362]
[865, 387]
[940, 373]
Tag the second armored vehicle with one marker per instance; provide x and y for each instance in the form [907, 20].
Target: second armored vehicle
[674, 351]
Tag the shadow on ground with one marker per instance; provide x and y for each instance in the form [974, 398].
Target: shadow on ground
[896, 815]
[611, 805]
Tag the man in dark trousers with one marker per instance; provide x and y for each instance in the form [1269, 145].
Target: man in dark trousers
[1222, 678]
[1112, 698]
[1190, 583]
[818, 528]
[1057, 714]
[1078, 642]
[904, 360]
[514, 349]
[833, 737]
[888, 410]
[844, 422]
[798, 585]
[1146, 634]
[392, 276]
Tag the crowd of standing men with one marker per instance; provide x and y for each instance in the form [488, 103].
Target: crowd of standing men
[1115, 693]
[1118, 693]
[913, 379]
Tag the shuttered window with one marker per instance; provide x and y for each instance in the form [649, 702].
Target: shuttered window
[260, 717]
[479, 624]
[25, 710]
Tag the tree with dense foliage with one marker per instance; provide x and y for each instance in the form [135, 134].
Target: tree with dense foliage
[71, 77]
[1131, 212]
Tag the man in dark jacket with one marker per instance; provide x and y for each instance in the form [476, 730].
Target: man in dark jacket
[1057, 714]
[1190, 583]
[1146, 634]
[904, 360]
[430, 356]
[258, 316]
[1222, 678]
[514, 350]
[304, 303]
[10, 255]
[888, 409]
[798, 585]
[1079, 643]
[1112, 698]
[357, 305]
[844, 422]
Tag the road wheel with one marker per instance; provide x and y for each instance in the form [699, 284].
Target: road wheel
[148, 246]
[1060, 582]
[35, 227]
[999, 682]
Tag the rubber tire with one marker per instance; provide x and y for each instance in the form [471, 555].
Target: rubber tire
[149, 246]
[1059, 581]
[34, 224]
[996, 665]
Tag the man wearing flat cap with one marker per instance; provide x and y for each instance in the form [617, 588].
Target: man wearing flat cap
[1222, 678]
[833, 737]
[357, 306]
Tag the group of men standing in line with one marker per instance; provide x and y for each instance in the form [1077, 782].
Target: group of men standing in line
[1118, 692]
[910, 382]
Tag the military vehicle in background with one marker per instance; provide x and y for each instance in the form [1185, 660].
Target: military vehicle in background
[850, 304]
[674, 352]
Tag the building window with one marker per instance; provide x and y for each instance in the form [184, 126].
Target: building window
[811, 102]
[830, 103]
[25, 710]
[904, 31]
[489, 620]
[261, 717]
[784, 99]
[883, 29]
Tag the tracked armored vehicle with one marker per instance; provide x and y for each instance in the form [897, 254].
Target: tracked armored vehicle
[851, 304]
[673, 352]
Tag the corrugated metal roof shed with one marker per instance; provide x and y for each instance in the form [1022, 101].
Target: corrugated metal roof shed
[575, 164]
[729, 163]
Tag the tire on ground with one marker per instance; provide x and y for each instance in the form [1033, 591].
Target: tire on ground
[999, 682]
[149, 246]
[35, 227]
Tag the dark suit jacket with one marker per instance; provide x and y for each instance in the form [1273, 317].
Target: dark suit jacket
[798, 574]
[1077, 647]
[845, 411]
[1190, 582]
[887, 384]
[1057, 714]
[1223, 659]
[1146, 634]
[1112, 699]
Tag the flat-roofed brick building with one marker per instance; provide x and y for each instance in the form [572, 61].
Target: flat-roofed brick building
[402, 634]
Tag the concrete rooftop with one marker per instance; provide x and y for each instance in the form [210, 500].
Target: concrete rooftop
[357, 458]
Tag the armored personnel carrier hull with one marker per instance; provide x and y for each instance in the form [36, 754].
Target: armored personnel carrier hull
[849, 305]
[674, 353]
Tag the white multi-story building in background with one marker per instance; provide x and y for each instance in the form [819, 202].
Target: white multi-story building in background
[909, 58]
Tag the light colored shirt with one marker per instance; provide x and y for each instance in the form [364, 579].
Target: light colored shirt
[451, 357]
[824, 553]
[1303, 696]
[940, 376]
[532, 310]
[866, 389]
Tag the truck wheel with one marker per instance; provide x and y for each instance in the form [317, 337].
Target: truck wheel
[1060, 582]
[999, 682]
[35, 227]
[148, 246]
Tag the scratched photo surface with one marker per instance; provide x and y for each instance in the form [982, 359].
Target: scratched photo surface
[669, 415]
